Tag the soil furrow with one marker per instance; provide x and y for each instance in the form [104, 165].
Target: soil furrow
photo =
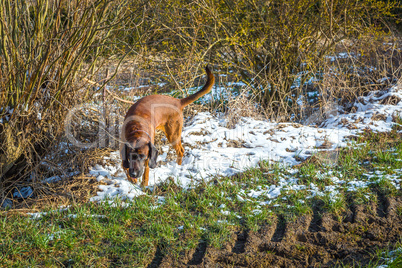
[296, 231]
[329, 223]
[321, 239]
[382, 206]
[254, 239]
[358, 214]
[315, 222]
[157, 260]
[199, 253]
[280, 229]
[392, 206]
[240, 244]
[260, 259]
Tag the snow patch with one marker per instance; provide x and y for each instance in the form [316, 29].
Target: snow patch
[213, 149]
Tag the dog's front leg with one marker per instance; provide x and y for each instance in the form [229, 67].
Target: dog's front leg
[145, 177]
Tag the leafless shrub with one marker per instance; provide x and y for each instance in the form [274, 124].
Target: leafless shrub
[242, 105]
[271, 45]
[356, 68]
[47, 48]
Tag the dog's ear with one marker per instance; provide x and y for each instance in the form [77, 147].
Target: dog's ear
[123, 154]
[153, 154]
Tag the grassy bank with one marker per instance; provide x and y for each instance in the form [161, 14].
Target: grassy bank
[174, 222]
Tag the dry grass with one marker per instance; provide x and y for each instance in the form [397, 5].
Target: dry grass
[356, 68]
[54, 184]
[242, 106]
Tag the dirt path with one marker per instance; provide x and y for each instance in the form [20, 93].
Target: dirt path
[317, 240]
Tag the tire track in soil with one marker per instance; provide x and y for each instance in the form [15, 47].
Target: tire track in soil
[158, 257]
[382, 206]
[280, 229]
[240, 243]
[318, 240]
[297, 230]
[392, 206]
[199, 253]
[315, 223]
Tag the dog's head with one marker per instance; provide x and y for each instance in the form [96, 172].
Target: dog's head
[136, 155]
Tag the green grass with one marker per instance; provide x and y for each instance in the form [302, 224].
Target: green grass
[129, 233]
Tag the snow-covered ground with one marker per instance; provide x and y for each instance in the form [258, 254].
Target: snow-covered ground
[213, 152]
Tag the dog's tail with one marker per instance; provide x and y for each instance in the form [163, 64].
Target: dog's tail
[205, 90]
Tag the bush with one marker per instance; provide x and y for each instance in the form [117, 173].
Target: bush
[273, 46]
[47, 47]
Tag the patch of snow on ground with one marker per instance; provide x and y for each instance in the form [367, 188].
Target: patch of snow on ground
[211, 153]
[390, 257]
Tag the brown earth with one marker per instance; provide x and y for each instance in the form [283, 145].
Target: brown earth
[317, 240]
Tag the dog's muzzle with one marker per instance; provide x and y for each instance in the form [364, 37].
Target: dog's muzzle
[134, 175]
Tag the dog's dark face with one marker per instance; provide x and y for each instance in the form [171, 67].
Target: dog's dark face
[136, 155]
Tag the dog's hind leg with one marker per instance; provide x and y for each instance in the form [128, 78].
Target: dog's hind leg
[179, 151]
[173, 134]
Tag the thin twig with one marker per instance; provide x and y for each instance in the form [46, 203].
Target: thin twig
[108, 91]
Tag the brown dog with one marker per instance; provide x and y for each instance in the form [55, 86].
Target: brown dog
[138, 152]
